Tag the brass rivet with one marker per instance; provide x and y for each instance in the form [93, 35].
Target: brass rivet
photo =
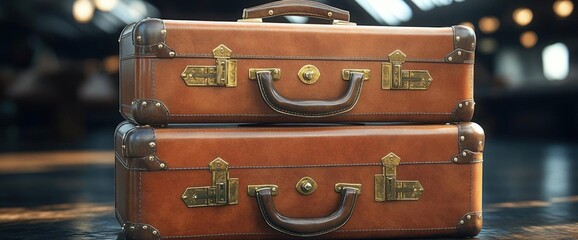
[455, 159]
[481, 143]
[480, 216]
[145, 227]
[185, 197]
[462, 138]
[457, 38]
[184, 75]
[151, 158]
[307, 186]
[144, 103]
[466, 103]
[459, 53]
[138, 38]
[464, 153]
[132, 228]
[270, 12]
[172, 54]
[460, 105]
[473, 44]
[450, 59]
[160, 46]
[163, 32]
[155, 232]
[461, 221]
[158, 104]
[273, 189]
[162, 165]
[329, 14]
[122, 228]
[469, 217]
[152, 144]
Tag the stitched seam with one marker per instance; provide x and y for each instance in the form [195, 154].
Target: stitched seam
[313, 165]
[139, 195]
[276, 115]
[471, 167]
[153, 77]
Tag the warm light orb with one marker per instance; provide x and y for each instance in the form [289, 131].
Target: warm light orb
[468, 24]
[528, 39]
[82, 11]
[105, 5]
[523, 16]
[563, 8]
[489, 24]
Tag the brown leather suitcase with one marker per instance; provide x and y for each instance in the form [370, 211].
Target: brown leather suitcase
[208, 71]
[278, 182]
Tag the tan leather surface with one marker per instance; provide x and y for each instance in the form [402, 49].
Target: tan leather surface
[289, 47]
[329, 155]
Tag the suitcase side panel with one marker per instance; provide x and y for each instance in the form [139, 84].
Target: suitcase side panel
[329, 155]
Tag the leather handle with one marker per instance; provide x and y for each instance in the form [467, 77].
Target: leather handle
[310, 108]
[296, 8]
[306, 227]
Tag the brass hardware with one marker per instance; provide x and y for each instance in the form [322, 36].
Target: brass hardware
[393, 77]
[308, 74]
[340, 186]
[275, 73]
[252, 189]
[345, 73]
[224, 190]
[224, 74]
[388, 188]
[306, 186]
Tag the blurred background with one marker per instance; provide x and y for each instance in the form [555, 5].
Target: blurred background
[59, 62]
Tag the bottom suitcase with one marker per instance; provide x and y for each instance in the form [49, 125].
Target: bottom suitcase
[278, 182]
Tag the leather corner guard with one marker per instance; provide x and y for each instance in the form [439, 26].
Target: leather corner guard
[470, 225]
[150, 111]
[464, 46]
[470, 143]
[139, 149]
[464, 111]
[149, 37]
[140, 231]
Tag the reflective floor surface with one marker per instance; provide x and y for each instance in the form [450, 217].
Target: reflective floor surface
[530, 192]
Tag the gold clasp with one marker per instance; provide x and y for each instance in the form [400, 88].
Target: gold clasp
[393, 77]
[388, 188]
[224, 190]
[223, 74]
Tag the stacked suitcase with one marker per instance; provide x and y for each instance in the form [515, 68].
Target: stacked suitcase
[251, 130]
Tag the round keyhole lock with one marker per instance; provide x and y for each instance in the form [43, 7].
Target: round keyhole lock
[308, 74]
[306, 186]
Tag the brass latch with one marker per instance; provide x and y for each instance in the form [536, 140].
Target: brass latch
[392, 77]
[224, 190]
[388, 188]
[223, 74]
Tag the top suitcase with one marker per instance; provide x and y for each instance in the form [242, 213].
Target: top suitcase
[248, 71]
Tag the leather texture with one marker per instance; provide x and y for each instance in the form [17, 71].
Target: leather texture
[282, 156]
[296, 8]
[152, 76]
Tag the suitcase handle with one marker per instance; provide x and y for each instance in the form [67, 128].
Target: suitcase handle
[310, 108]
[307, 227]
[296, 8]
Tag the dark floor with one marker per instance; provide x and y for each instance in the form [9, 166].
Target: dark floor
[530, 192]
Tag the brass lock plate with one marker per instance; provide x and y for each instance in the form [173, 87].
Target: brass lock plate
[388, 188]
[308, 74]
[393, 77]
[223, 74]
[306, 186]
[224, 190]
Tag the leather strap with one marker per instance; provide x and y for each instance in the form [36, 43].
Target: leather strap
[310, 108]
[296, 8]
[306, 227]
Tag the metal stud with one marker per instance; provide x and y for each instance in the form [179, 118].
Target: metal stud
[461, 221]
[460, 105]
[469, 217]
[455, 159]
[138, 38]
[172, 54]
[459, 53]
[155, 232]
[152, 144]
[481, 143]
[144, 104]
[158, 104]
[473, 44]
[450, 59]
[160, 46]
[162, 165]
[462, 138]
[132, 228]
[123, 146]
[185, 196]
[457, 38]
[329, 14]
[480, 216]
[273, 189]
[466, 103]
[163, 32]
[151, 158]
[270, 12]
[464, 153]
[145, 227]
